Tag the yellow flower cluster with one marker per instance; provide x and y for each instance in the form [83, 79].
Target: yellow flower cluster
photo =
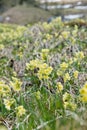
[59, 87]
[79, 55]
[38, 95]
[65, 69]
[76, 74]
[47, 26]
[4, 89]
[48, 36]
[20, 111]
[8, 103]
[5, 94]
[9, 33]
[43, 69]
[83, 93]
[66, 77]
[44, 54]
[62, 71]
[57, 22]
[63, 66]
[68, 101]
[16, 84]
[66, 97]
[33, 64]
[75, 31]
[65, 34]
[73, 40]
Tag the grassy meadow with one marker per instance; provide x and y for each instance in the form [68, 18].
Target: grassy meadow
[43, 76]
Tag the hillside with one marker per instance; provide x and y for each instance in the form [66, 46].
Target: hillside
[43, 76]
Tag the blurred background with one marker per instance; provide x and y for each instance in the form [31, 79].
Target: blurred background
[31, 11]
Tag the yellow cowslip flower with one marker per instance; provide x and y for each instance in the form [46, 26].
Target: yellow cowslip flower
[14, 74]
[83, 93]
[44, 40]
[57, 21]
[15, 43]
[84, 98]
[70, 61]
[4, 89]
[63, 66]
[60, 37]
[20, 54]
[75, 74]
[75, 59]
[68, 101]
[75, 31]
[66, 77]
[79, 55]
[59, 87]
[38, 95]
[73, 106]
[66, 104]
[45, 50]
[44, 53]
[44, 71]
[60, 72]
[20, 111]
[8, 103]
[65, 34]
[70, 105]
[48, 36]
[33, 64]
[16, 84]
[47, 26]
[85, 85]
[73, 40]
[56, 34]
[66, 97]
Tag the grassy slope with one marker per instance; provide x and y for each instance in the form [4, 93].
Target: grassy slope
[41, 111]
[24, 15]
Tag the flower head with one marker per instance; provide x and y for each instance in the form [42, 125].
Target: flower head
[16, 84]
[64, 66]
[83, 93]
[75, 74]
[79, 55]
[20, 111]
[8, 103]
[59, 87]
[66, 77]
[4, 89]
